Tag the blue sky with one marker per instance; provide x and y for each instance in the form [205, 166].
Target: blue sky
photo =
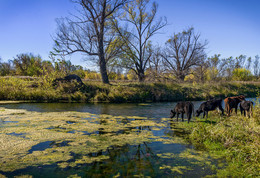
[232, 27]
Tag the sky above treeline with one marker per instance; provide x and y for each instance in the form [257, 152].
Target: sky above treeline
[232, 27]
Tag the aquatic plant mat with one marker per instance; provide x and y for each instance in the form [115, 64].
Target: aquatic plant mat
[77, 144]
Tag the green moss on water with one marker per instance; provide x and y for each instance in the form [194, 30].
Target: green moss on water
[24, 176]
[176, 169]
[58, 127]
[166, 155]
[2, 176]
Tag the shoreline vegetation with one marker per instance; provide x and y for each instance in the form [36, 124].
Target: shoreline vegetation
[42, 90]
[235, 139]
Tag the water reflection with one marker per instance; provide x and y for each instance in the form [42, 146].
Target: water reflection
[151, 110]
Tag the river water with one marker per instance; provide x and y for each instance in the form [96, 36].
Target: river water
[154, 158]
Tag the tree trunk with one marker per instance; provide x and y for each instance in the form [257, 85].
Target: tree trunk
[103, 69]
[101, 55]
[180, 76]
[141, 76]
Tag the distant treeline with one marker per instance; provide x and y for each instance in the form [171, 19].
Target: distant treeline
[214, 68]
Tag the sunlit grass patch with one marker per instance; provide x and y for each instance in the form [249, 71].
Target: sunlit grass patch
[235, 138]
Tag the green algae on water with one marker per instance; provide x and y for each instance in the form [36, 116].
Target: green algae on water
[84, 133]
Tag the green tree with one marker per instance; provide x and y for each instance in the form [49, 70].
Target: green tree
[28, 65]
[216, 67]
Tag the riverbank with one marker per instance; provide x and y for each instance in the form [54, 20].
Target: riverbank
[236, 139]
[41, 90]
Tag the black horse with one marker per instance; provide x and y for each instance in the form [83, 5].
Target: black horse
[181, 108]
[210, 105]
[246, 108]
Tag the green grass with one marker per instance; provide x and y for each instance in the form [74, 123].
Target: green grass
[236, 139]
[41, 90]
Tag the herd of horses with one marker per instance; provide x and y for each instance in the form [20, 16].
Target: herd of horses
[187, 107]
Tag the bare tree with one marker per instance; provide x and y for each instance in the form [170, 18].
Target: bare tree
[89, 32]
[137, 51]
[183, 52]
[6, 68]
[240, 61]
[155, 65]
[256, 66]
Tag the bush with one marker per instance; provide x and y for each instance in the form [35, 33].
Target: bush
[241, 74]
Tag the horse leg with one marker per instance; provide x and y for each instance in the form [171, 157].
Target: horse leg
[177, 116]
[204, 113]
[221, 109]
[182, 116]
[228, 110]
[248, 113]
[189, 117]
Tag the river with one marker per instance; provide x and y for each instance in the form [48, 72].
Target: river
[162, 153]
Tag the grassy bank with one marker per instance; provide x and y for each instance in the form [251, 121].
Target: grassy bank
[236, 139]
[41, 90]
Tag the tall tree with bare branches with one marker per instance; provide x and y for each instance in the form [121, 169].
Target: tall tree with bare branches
[141, 26]
[90, 32]
[184, 51]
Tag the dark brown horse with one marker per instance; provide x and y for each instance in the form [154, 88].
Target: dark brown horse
[232, 102]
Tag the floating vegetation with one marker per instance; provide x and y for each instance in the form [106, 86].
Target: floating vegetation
[178, 169]
[166, 155]
[39, 130]
[74, 139]
[144, 104]
[2, 176]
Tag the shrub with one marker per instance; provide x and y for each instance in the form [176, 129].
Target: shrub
[241, 74]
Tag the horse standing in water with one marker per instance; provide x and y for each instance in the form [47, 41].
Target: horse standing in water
[181, 108]
[210, 105]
